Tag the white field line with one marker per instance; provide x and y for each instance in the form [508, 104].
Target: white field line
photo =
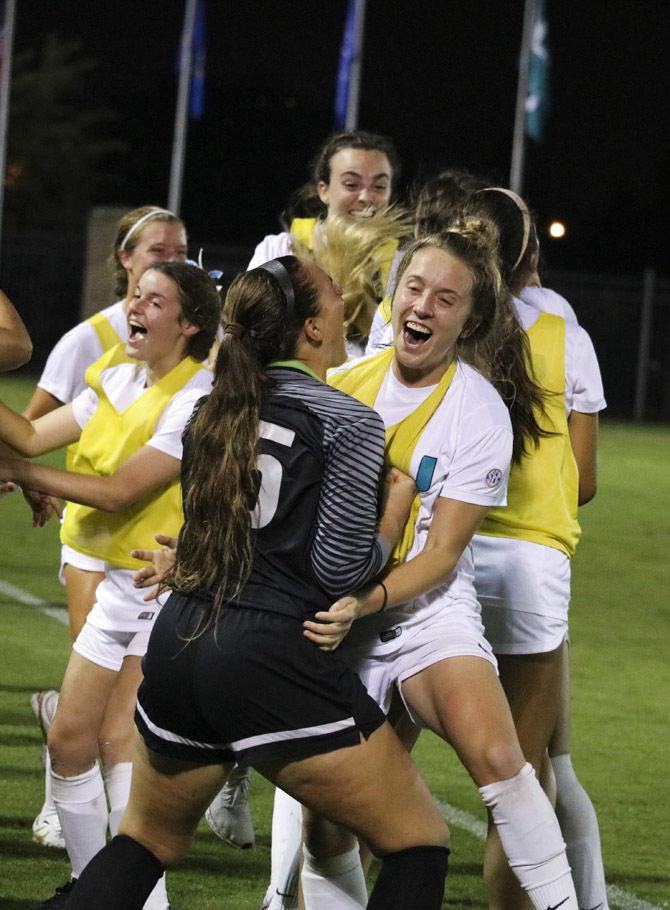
[460, 819]
[25, 597]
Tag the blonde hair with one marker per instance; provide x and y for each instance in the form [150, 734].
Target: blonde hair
[128, 233]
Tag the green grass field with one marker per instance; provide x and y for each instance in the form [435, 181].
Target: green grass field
[621, 738]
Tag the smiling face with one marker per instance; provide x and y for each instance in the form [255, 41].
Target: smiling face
[431, 306]
[158, 241]
[157, 331]
[360, 183]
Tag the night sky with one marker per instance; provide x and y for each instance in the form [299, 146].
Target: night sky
[439, 77]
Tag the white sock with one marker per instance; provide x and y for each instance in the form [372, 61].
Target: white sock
[579, 825]
[117, 783]
[334, 882]
[531, 838]
[282, 893]
[82, 812]
[48, 798]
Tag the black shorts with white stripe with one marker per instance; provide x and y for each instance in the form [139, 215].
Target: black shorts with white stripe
[254, 691]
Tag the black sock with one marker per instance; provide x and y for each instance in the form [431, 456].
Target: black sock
[120, 877]
[411, 879]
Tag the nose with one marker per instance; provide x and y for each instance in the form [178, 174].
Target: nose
[423, 305]
[365, 194]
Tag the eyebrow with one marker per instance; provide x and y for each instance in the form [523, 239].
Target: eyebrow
[444, 290]
[374, 176]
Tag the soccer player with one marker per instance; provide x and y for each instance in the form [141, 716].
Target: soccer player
[280, 476]
[125, 483]
[144, 235]
[450, 430]
[522, 551]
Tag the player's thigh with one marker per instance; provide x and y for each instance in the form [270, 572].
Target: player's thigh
[373, 788]
[168, 797]
[461, 700]
[80, 586]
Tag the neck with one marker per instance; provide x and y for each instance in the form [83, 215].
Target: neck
[157, 369]
[420, 378]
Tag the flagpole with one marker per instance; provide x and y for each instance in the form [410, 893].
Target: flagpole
[519, 139]
[5, 78]
[351, 122]
[181, 115]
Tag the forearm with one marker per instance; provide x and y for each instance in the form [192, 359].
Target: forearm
[103, 493]
[17, 432]
[425, 572]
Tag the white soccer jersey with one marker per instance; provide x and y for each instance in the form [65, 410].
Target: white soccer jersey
[583, 382]
[464, 453]
[547, 301]
[120, 606]
[124, 383]
[271, 247]
[63, 374]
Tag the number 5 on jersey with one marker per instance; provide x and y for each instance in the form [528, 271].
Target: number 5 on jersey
[271, 473]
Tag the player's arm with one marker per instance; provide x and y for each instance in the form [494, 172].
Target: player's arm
[16, 348]
[453, 524]
[583, 429]
[144, 473]
[30, 438]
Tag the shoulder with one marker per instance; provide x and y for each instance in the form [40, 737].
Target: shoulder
[270, 247]
[478, 398]
[547, 301]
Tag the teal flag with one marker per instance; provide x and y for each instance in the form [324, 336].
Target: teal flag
[537, 100]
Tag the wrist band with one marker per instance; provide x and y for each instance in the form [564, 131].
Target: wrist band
[386, 596]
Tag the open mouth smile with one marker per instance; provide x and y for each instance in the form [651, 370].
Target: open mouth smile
[135, 331]
[415, 333]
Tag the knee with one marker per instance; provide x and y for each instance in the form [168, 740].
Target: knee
[323, 838]
[71, 749]
[500, 759]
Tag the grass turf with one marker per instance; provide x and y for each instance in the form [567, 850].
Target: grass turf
[619, 624]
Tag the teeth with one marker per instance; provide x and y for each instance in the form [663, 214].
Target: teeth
[417, 327]
[365, 213]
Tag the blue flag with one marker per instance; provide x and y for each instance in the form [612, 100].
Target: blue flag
[537, 100]
[197, 87]
[347, 56]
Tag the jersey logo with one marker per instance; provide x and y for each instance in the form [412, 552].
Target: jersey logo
[494, 478]
[390, 634]
[146, 615]
[424, 476]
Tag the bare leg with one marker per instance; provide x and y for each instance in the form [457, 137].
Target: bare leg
[462, 701]
[349, 786]
[531, 683]
[80, 587]
[574, 808]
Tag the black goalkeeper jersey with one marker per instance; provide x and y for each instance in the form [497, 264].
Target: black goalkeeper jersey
[315, 515]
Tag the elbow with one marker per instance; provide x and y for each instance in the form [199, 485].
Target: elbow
[16, 357]
[587, 492]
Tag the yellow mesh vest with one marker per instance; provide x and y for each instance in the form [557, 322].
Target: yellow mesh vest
[363, 381]
[107, 441]
[303, 230]
[107, 338]
[543, 490]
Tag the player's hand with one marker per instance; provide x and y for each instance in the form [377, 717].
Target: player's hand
[329, 628]
[42, 506]
[160, 562]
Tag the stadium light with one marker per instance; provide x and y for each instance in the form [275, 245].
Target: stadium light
[556, 230]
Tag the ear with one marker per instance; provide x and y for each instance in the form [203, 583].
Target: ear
[312, 329]
[125, 259]
[469, 328]
[188, 329]
[322, 190]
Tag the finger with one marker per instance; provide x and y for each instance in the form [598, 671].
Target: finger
[165, 541]
[144, 555]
